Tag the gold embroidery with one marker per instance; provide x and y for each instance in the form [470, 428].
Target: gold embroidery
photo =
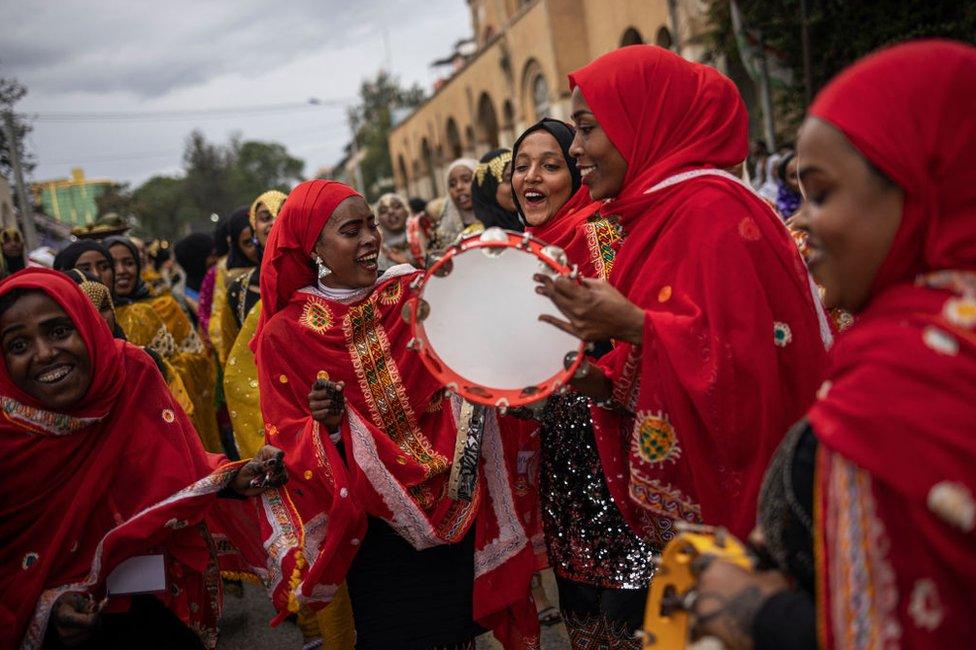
[316, 315]
[379, 379]
[602, 237]
[391, 294]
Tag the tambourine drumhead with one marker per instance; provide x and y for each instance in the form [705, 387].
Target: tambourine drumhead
[482, 333]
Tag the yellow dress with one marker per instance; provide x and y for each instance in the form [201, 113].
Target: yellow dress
[143, 327]
[241, 389]
[190, 360]
[222, 328]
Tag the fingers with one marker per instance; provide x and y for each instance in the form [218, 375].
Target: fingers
[561, 324]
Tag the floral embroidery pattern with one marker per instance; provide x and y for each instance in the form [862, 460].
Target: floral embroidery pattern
[925, 608]
[40, 421]
[316, 315]
[602, 236]
[654, 439]
[960, 311]
[663, 501]
[782, 335]
[391, 294]
[748, 230]
[953, 503]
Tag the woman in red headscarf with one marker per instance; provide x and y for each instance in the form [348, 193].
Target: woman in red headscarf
[373, 445]
[721, 341]
[101, 465]
[869, 503]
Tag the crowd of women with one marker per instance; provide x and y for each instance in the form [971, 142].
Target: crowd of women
[717, 389]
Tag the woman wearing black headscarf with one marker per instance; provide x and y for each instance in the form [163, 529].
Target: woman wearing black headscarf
[88, 256]
[491, 192]
[194, 253]
[242, 255]
[602, 568]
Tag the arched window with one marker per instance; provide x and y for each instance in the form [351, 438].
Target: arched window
[454, 148]
[540, 96]
[402, 167]
[487, 122]
[428, 158]
[664, 38]
[632, 37]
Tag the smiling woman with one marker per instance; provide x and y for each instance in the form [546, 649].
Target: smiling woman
[374, 441]
[123, 474]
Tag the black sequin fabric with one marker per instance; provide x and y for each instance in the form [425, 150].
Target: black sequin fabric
[586, 536]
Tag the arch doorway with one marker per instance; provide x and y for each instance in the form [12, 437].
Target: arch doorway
[632, 37]
[487, 122]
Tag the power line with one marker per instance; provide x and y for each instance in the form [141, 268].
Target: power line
[176, 115]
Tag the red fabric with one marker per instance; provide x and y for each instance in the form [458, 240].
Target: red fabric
[566, 229]
[900, 400]
[286, 265]
[121, 474]
[717, 275]
[398, 437]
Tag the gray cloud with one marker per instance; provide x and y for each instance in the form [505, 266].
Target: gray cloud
[129, 55]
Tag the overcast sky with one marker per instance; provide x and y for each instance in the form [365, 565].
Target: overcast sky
[133, 55]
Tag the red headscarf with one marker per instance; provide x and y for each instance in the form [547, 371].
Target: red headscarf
[399, 435]
[286, 265]
[733, 347]
[896, 415]
[121, 474]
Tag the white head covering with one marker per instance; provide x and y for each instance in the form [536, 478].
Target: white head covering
[455, 220]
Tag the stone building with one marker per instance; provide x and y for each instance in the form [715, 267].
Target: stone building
[518, 74]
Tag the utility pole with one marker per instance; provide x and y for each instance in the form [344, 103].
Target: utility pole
[765, 96]
[807, 67]
[26, 213]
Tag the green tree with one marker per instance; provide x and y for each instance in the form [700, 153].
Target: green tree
[162, 208]
[372, 120]
[207, 184]
[840, 32]
[260, 166]
[11, 92]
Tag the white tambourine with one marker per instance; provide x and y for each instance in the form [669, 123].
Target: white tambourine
[475, 320]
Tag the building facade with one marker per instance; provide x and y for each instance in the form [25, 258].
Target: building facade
[518, 74]
[72, 201]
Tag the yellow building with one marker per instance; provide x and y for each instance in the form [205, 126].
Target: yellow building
[518, 74]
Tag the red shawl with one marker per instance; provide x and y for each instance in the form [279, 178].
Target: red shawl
[897, 463]
[399, 436]
[590, 241]
[733, 346]
[121, 474]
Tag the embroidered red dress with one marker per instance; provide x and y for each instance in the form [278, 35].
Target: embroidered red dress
[398, 435]
[733, 336]
[895, 527]
[121, 474]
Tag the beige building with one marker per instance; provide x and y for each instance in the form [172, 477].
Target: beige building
[518, 74]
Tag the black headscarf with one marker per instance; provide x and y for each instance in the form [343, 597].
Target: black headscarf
[140, 291]
[239, 221]
[191, 254]
[487, 177]
[68, 257]
[220, 235]
[564, 135]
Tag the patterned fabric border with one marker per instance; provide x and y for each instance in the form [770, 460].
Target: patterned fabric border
[213, 482]
[861, 582]
[38, 420]
[602, 234]
[379, 380]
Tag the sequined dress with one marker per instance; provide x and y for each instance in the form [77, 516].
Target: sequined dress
[588, 540]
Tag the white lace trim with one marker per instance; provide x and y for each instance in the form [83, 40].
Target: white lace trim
[348, 296]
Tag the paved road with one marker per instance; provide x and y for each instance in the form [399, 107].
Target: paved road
[245, 626]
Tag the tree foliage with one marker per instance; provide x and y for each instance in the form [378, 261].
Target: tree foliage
[840, 31]
[372, 120]
[12, 91]
[217, 178]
